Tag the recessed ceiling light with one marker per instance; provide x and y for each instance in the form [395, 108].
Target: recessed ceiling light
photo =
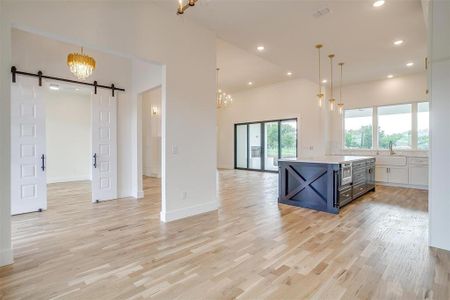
[260, 48]
[398, 42]
[250, 83]
[54, 87]
[410, 64]
[390, 76]
[324, 81]
[378, 3]
[289, 74]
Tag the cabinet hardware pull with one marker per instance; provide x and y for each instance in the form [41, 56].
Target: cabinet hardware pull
[43, 162]
[95, 160]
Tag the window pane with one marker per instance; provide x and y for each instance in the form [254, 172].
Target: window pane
[241, 146]
[394, 125]
[358, 128]
[255, 146]
[271, 146]
[423, 125]
[288, 139]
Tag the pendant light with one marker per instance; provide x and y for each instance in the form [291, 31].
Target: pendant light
[331, 101]
[222, 99]
[320, 95]
[340, 104]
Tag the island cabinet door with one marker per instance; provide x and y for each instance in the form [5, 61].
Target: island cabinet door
[309, 185]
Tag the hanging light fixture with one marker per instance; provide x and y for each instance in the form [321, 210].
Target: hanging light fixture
[182, 7]
[222, 99]
[331, 101]
[80, 64]
[320, 95]
[340, 104]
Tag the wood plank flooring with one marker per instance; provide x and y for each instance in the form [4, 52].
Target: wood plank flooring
[251, 248]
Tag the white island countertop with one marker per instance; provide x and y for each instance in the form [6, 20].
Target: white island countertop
[327, 159]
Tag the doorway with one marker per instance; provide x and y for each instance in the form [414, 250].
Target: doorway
[259, 145]
[151, 138]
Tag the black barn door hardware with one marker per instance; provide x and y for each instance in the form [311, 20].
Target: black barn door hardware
[40, 75]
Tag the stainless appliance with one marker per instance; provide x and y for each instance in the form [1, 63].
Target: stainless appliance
[346, 173]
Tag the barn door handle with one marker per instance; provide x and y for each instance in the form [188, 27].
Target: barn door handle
[95, 160]
[43, 162]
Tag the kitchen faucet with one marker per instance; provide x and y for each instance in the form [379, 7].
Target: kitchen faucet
[391, 152]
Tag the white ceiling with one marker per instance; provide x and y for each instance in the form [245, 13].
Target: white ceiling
[357, 33]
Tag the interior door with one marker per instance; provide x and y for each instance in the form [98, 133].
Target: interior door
[28, 156]
[104, 146]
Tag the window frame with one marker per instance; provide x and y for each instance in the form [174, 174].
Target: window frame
[375, 146]
[263, 126]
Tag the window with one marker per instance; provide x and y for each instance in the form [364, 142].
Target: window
[358, 128]
[406, 126]
[395, 126]
[423, 125]
[259, 145]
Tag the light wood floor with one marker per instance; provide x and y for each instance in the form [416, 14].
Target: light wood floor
[251, 248]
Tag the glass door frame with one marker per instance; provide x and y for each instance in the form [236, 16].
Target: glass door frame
[263, 138]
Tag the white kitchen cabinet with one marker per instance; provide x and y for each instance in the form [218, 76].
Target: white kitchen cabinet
[418, 175]
[394, 175]
[398, 175]
[381, 174]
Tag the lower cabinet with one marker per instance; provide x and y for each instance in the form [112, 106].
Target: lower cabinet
[398, 175]
[418, 175]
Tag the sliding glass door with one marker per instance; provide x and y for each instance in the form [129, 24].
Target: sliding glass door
[259, 145]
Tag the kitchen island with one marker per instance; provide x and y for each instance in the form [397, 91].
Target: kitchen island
[325, 183]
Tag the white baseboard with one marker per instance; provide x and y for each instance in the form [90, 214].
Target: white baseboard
[68, 179]
[168, 216]
[140, 194]
[411, 186]
[6, 257]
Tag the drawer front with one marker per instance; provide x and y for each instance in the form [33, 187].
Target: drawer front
[418, 160]
[359, 189]
[345, 196]
[359, 177]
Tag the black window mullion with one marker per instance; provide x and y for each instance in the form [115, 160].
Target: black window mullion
[263, 150]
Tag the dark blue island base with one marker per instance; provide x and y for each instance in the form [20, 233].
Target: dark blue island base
[317, 185]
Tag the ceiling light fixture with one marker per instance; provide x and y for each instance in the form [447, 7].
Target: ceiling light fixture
[289, 74]
[340, 104]
[319, 95]
[390, 76]
[222, 99]
[331, 101]
[54, 87]
[410, 64]
[183, 7]
[260, 48]
[80, 64]
[378, 3]
[398, 42]
[250, 83]
[324, 81]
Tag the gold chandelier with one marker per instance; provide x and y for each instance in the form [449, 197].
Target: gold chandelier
[222, 99]
[182, 7]
[80, 64]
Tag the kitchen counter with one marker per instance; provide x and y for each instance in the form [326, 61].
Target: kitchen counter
[328, 159]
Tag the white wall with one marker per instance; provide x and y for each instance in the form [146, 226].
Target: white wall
[6, 254]
[439, 78]
[405, 89]
[68, 134]
[151, 132]
[137, 30]
[290, 99]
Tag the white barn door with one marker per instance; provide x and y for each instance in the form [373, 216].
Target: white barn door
[28, 151]
[104, 146]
